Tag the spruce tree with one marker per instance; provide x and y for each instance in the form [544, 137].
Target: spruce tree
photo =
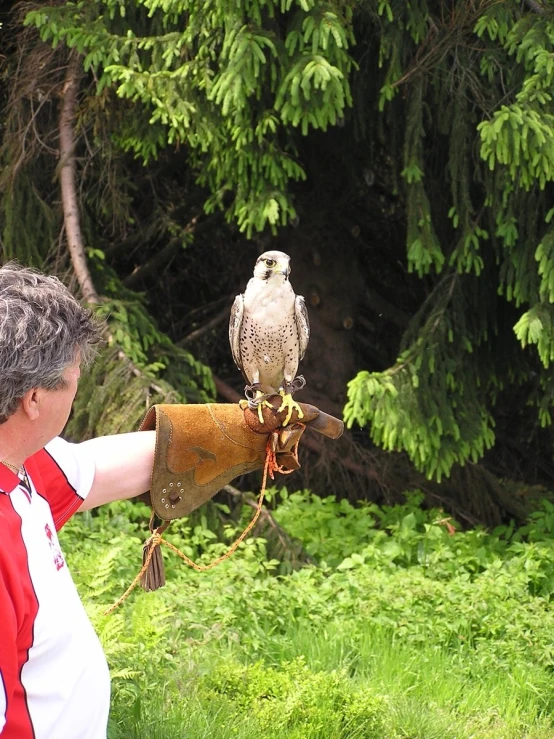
[470, 86]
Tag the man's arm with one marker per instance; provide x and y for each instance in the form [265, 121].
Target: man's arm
[123, 466]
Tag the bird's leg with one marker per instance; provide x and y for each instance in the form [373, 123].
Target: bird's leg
[288, 403]
[260, 402]
[256, 399]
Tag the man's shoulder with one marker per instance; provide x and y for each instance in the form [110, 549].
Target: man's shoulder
[54, 456]
[51, 466]
[62, 473]
[59, 452]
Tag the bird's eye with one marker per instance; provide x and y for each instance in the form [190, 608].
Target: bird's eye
[270, 262]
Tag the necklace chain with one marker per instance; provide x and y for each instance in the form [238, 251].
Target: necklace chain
[13, 468]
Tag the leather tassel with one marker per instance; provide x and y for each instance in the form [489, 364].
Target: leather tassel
[154, 575]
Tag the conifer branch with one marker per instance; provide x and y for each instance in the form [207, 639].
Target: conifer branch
[138, 373]
[67, 175]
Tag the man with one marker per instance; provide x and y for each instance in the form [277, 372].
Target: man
[54, 680]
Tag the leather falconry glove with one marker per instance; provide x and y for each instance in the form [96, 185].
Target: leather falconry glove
[201, 448]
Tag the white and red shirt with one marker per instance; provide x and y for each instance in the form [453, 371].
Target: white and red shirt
[54, 680]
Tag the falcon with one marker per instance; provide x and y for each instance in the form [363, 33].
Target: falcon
[269, 332]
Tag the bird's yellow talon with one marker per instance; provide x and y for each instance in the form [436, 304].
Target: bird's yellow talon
[260, 404]
[290, 405]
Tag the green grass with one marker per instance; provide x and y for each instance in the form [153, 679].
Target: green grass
[401, 631]
[422, 693]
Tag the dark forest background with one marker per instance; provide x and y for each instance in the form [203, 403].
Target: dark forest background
[401, 153]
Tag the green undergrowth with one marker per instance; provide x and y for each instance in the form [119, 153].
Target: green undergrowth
[404, 625]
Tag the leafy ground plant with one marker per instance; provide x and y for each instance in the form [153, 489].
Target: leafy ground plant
[404, 627]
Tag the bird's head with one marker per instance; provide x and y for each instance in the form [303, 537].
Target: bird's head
[272, 263]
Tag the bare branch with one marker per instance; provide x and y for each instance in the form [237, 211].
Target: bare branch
[285, 542]
[161, 258]
[212, 323]
[535, 6]
[225, 390]
[198, 314]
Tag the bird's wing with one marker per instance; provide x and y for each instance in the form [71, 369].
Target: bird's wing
[235, 323]
[302, 324]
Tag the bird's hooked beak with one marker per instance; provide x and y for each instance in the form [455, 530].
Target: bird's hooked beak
[278, 269]
[283, 268]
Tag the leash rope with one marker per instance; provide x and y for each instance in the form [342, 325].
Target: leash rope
[270, 467]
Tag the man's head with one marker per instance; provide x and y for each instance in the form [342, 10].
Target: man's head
[44, 331]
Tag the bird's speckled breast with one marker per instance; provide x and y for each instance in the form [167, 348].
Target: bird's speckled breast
[269, 336]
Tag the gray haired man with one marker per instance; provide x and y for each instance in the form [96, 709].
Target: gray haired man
[54, 681]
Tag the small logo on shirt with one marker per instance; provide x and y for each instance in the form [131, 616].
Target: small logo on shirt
[56, 553]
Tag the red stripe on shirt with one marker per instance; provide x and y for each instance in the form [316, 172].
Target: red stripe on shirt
[8, 481]
[18, 611]
[52, 484]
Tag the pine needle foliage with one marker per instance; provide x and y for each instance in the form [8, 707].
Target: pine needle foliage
[30, 220]
[229, 81]
[25, 215]
[472, 83]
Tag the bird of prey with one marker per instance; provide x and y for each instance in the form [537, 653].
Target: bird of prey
[269, 332]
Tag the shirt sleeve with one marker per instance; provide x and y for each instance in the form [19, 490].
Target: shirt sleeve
[63, 473]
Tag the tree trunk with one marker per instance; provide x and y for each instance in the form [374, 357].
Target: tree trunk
[68, 178]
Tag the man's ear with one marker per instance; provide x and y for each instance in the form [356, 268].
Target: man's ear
[30, 403]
